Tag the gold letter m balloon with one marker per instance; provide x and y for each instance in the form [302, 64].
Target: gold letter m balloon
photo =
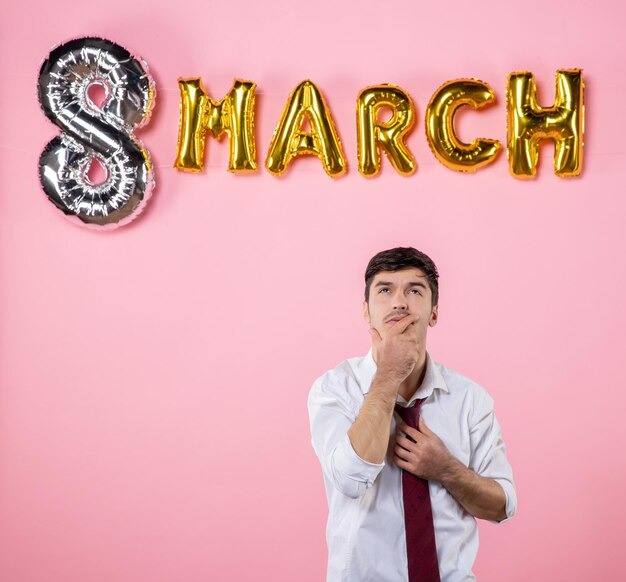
[528, 124]
[233, 115]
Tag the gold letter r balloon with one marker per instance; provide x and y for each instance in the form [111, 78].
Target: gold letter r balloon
[390, 134]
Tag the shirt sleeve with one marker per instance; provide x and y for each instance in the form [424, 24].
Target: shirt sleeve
[488, 456]
[331, 416]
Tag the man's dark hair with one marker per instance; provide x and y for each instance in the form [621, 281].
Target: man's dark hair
[402, 258]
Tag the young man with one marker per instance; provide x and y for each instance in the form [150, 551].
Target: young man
[410, 450]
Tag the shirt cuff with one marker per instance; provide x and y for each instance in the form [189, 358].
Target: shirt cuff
[511, 499]
[348, 463]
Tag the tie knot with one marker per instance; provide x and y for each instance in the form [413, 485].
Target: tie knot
[410, 415]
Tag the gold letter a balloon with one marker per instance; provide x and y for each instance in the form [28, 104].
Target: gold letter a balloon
[290, 141]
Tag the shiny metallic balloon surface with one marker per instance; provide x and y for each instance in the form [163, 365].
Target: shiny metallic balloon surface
[96, 131]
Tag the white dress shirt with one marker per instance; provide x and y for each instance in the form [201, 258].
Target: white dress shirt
[365, 531]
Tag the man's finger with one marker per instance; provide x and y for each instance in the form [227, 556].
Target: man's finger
[424, 427]
[402, 453]
[405, 443]
[406, 323]
[402, 325]
[409, 431]
[404, 465]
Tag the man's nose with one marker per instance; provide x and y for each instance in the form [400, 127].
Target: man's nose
[399, 302]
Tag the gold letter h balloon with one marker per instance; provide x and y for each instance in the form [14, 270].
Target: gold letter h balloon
[528, 124]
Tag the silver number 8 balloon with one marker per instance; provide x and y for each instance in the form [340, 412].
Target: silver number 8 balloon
[101, 132]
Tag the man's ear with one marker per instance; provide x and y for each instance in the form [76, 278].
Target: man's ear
[433, 316]
[366, 312]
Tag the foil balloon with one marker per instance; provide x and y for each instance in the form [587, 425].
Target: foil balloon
[290, 140]
[233, 116]
[96, 133]
[388, 135]
[528, 124]
[440, 130]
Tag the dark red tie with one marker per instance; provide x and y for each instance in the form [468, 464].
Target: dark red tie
[418, 516]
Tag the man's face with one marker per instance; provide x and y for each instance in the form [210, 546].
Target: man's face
[397, 294]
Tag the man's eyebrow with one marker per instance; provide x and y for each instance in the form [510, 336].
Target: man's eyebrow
[410, 284]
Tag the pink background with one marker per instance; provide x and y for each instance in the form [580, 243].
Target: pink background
[153, 422]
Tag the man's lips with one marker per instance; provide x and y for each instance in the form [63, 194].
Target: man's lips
[396, 318]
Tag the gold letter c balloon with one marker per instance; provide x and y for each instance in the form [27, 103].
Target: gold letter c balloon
[440, 131]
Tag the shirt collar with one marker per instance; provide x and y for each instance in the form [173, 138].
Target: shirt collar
[432, 378]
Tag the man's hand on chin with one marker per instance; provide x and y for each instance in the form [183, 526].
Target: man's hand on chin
[397, 353]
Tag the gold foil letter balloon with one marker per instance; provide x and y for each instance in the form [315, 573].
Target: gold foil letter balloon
[289, 140]
[390, 134]
[528, 124]
[233, 115]
[440, 130]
